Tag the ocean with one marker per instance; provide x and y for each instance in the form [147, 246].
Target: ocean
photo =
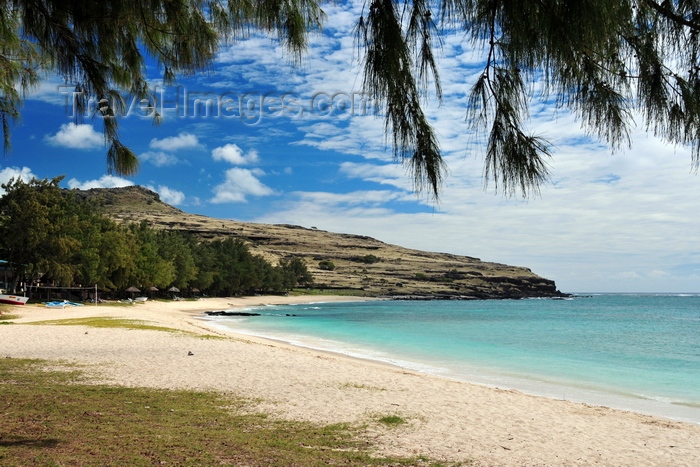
[638, 352]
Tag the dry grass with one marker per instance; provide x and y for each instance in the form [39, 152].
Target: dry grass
[53, 418]
[398, 272]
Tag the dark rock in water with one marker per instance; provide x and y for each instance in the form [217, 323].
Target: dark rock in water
[230, 313]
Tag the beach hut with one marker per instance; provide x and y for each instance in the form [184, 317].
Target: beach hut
[132, 290]
[173, 290]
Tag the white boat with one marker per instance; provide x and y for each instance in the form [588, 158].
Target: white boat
[13, 299]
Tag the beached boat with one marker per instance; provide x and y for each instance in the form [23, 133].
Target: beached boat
[62, 304]
[13, 299]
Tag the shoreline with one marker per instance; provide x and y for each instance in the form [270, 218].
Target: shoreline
[448, 419]
[554, 390]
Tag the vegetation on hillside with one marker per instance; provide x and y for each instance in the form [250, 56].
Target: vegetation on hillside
[341, 263]
[51, 237]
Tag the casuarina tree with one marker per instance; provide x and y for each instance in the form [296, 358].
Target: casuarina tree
[605, 60]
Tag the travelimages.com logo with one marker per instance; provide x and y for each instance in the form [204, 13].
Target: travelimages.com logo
[251, 108]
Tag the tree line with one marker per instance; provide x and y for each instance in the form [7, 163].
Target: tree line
[49, 236]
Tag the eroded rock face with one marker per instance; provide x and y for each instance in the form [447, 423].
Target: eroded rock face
[360, 263]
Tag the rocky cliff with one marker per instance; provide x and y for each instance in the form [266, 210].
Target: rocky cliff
[339, 261]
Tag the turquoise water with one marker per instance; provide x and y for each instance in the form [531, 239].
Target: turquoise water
[635, 352]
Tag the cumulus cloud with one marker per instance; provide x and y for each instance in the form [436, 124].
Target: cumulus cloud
[586, 229]
[25, 174]
[174, 143]
[239, 184]
[232, 154]
[159, 158]
[354, 198]
[76, 136]
[162, 149]
[106, 181]
[168, 195]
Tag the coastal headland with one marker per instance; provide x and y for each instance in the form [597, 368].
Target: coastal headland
[447, 420]
[339, 262]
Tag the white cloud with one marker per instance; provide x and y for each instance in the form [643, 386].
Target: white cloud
[232, 154]
[174, 143]
[106, 181]
[605, 223]
[162, 153]
[159, 158]
[55, 91]
[393, 174]
[168, 195]
[239, 184]
[76, 136]
[355, 198]
[25, 174]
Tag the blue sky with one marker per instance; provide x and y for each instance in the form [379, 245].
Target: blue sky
[607, 222]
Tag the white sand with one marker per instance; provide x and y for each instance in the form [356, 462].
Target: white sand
[448, 420]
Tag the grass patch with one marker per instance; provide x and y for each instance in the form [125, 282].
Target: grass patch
[361, 386]
[391, 420]
[5, 316]
[120, 323]
[50, 418]
[106, 322]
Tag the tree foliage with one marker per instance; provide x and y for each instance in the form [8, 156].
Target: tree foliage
[602, 59]
[49, 236]
[605, 60]
[102, 48]
[29, 216]
[295, 272]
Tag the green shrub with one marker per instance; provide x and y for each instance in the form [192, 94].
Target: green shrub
[392, 420]
[367, 259]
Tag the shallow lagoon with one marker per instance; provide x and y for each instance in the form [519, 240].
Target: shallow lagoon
[637, 352]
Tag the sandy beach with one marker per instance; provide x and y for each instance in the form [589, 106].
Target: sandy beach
[448, 420]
